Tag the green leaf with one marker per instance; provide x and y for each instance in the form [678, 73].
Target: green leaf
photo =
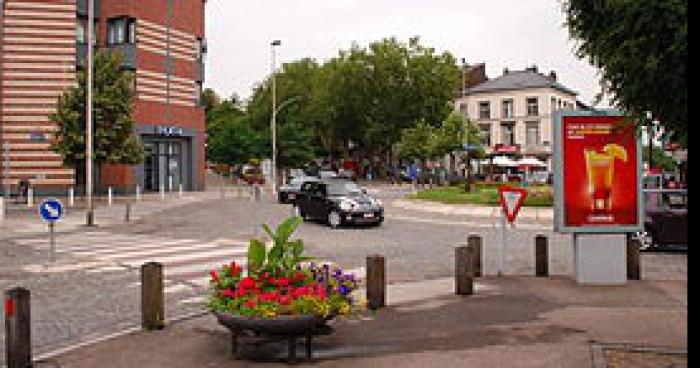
[256, 256]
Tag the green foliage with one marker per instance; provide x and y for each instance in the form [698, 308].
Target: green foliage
[113, 95]
[425, 142]
[231, 139]
[284, 255]
[659, 159]
[538, 196]
[641, 48]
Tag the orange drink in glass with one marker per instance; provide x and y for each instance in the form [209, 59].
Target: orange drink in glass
[600, 171]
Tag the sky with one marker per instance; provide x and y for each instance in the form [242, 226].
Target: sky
[502, 34]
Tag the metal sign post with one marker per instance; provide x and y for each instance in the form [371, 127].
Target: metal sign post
[51, 210]
[512, 200]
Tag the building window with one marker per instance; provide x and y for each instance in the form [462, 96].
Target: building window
[121, 31]
[508, 133]
[201, 47]
[198, 94]
[485, 133]
[484, 110]
[81, 31]
[532, 106]
[508, 110]
[532, 133]
[553, 105]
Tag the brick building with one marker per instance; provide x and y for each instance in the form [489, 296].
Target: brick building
[43, 44]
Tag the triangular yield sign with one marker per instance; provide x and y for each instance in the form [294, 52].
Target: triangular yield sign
[511, 200]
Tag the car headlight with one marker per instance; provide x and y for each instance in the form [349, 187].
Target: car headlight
[347, 205]
[378, 203]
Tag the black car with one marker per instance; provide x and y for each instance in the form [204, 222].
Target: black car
[338, 202]
[288, 192]
[666, 219]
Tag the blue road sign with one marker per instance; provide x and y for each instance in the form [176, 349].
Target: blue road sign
[50, 210]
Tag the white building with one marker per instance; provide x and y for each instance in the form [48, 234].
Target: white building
[514, 112]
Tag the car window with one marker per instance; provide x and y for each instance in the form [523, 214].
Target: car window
[319, 189]
[344, 188]
[307, 187]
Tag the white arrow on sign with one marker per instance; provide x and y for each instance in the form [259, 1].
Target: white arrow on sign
[51, 210]
[512, 199]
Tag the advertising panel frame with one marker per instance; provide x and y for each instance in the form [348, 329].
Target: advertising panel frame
[558, 168]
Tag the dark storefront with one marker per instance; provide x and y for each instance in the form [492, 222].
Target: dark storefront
[170, 159]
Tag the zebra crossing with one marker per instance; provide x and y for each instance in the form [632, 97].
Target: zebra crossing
[186, 262]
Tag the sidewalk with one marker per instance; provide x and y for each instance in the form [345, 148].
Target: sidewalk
[509, 322]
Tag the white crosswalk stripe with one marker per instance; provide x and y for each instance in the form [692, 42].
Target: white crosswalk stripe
[186, 262]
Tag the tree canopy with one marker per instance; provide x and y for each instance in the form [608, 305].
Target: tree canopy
[113, 95]
[641, 48]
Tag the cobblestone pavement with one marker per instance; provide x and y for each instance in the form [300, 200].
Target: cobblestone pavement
[94, 287]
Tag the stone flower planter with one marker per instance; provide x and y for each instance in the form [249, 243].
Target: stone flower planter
[289, 328]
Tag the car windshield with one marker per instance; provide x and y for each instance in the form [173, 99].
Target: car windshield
[297, 182]
[343, 188]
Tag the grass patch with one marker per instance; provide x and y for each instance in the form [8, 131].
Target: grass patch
[539, 196]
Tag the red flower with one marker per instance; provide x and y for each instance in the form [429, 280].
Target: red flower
[235, 269]
[250, 304]
[282, 282]
[214, 276]
[299, 292]
[285, 300]
[228, 293]
[240, 292]
[247, 283]
[299, 277]
[269, 297]
[321, 292]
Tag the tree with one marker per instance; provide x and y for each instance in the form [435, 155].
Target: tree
[641, 48]
[659, 159]
[114, 140]
[210, 100]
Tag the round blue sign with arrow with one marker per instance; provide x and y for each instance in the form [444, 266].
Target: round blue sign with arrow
[50, 210]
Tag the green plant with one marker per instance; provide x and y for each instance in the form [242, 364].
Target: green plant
[284, 255]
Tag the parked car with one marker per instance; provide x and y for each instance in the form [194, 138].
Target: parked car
[665, 219]
[327, 174]
[288, 192]
[338, 202]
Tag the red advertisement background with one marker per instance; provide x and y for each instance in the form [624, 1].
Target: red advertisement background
[584, 132]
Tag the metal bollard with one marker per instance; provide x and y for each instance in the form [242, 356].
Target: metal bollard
[30, 197]
[152, 296]
[2, 209]
[633, 267]
[162, 191]
[181, 190]
[18, 340]
[464, 271]
[127, 212]
[376, 282]
[541, 256]
[71, 197]
[109, 196]
[257, 193]
[138, 193]
[475, 243]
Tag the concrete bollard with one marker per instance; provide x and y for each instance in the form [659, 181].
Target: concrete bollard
[30, 197]
[541, 256]
[138, 193]
[2, 209]
[110, 195]
[127, 211]
[376, 282]
[181, 190]
[18, 340]
[71, 197]
[162, 191]
[475, 244]
[152, 296]
[633, 267]
[464, 271]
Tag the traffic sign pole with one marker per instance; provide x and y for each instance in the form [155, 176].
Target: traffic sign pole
[504, 237]
[52, 235]
[512, 200]
[51, 210]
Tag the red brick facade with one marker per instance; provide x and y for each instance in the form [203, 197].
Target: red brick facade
[167, 113]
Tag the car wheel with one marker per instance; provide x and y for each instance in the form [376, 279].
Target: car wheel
[334, 219]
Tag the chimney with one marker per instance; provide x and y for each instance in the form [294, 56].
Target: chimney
[532, 68]
[505, 71]
[553, 76]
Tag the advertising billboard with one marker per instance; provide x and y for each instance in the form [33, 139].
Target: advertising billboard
[598, 173]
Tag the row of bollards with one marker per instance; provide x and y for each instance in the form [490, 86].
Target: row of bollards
[468, 265]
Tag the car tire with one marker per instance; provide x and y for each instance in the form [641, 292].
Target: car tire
[334, 219]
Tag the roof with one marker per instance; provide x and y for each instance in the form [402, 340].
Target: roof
[517, 80]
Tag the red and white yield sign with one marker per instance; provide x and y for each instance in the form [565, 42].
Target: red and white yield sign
[512, 199]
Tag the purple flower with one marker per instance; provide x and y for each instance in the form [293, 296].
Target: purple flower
[343, 290]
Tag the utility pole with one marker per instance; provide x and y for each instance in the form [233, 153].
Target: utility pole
[273, 123]
[88, 114]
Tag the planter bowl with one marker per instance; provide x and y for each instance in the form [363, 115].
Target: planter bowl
[292, 325]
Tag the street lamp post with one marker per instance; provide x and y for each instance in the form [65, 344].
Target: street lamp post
[273, 123]
[88, 116]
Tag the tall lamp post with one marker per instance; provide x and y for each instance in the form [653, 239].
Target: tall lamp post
[273, 123]
[88, 116]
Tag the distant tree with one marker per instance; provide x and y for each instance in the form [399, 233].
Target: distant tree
[641, 48]
[210, 100]
[233, 141]
[659, 159]
[114, 139]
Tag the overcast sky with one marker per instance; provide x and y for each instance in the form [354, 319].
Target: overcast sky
[501, 33]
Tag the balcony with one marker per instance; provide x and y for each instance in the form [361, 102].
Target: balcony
[83, 8]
